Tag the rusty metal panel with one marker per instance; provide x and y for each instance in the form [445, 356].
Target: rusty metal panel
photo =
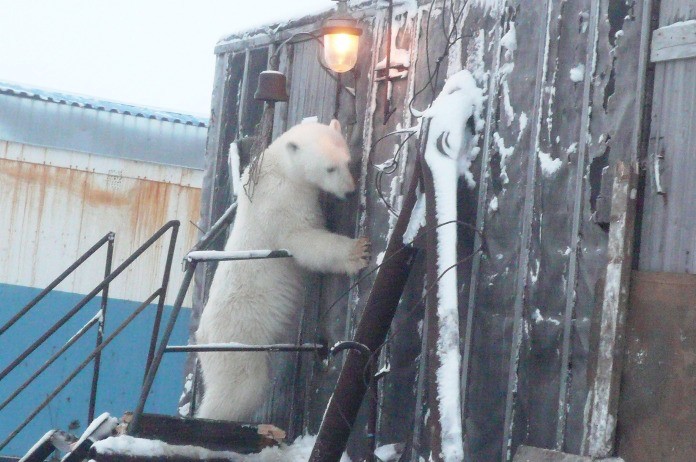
[55, 204]
[657, 420]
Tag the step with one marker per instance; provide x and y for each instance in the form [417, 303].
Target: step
[210, 434]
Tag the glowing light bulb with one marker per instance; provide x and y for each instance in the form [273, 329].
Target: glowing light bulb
[341, 50]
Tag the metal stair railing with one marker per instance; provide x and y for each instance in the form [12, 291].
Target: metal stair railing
[159, 294]
[197, 255]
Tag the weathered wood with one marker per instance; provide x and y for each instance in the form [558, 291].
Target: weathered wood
[210, 434]
[372, 330]
[677, 41]
[603, 398]
[532, 454]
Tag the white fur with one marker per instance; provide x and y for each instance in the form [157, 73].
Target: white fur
[256, 302]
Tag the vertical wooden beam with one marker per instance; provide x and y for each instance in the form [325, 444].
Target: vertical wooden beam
[604, 394]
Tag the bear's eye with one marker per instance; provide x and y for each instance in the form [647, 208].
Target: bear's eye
[331, 169]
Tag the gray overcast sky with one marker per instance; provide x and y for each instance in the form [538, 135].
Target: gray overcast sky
[147, 52]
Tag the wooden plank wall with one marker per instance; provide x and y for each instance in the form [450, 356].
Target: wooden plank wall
[561, 106]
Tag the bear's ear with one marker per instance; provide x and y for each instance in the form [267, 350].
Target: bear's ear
[293, 147]
[336, 125]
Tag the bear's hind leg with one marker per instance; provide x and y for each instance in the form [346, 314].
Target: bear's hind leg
[236, 384]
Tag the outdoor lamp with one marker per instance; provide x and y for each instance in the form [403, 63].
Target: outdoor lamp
[341, 33]
[341, 36]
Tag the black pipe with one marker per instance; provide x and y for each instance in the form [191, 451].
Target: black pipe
[57, 281]
[152, 371]
[160, 301]
[100, 332]
[281, 347]
[214, 230]
[90, 296]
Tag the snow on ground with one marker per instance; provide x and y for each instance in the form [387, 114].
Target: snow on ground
[298, 451]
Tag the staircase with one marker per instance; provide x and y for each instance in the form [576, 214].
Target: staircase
[138, 436]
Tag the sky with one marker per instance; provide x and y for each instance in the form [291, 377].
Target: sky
[153, 53]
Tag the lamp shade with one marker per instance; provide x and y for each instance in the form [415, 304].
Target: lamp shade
[341, 37]
[341, 47]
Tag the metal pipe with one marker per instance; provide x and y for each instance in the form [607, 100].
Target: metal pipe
[152, 371]
[56, 281]
[100, 331]
[223, 255]
[231, 347]
[224, 220]
[50, 361]
[88, 297]
[161, 300]
[79, 368]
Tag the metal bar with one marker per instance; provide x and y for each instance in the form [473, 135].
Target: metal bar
[224, 220]
[51, 360]
[90, 296]
[578, 196]
[152, 371]
[161, 300]
[216, 255]
[100, 332]
[79, 368]
[229, 347]
[57, 281]
[525, 238]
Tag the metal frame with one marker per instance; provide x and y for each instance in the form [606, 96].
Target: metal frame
[101, 343]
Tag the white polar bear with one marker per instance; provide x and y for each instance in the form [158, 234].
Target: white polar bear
[257, 301]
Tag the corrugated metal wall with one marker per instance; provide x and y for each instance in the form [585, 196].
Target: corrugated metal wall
[564, 82]
[56, 204]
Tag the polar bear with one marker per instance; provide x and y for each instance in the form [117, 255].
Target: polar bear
[257, 301]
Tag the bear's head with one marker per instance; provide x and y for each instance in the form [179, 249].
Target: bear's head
[317, 154]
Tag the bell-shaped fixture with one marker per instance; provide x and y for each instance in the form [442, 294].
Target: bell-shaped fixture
[341, 36]
[271, 87]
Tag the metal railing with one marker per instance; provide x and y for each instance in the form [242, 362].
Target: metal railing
[99, 319]
[199, 254]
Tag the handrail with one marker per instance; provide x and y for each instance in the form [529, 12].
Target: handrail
[87, 298]
[83, 330]
[159, 294]
[78, 369]
[109, 237]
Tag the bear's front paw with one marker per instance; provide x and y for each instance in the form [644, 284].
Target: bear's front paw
[359, 255]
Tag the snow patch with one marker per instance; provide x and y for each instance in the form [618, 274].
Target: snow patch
[417, 220]
[549, 166]
[493, 205]
[235, 174]
[509, 41]
[504, 152]
[577, 74]
[460, 99]
[388, 453]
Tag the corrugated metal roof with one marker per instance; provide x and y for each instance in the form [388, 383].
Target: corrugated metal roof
[100, 105]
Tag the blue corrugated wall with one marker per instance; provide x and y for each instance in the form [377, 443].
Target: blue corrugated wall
[122, 369]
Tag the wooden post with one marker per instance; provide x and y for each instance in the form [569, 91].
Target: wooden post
[372, 331]
[604, 393]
